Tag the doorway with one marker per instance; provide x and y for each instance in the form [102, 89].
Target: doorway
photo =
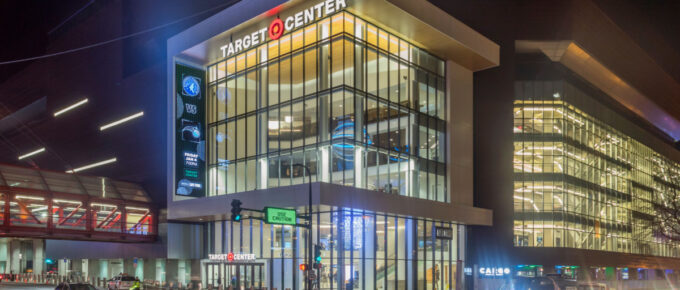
[238, 275]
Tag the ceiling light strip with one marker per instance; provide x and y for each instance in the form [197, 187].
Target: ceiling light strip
[121, 121]
[71, 107]
[41, 150]
[100, 163]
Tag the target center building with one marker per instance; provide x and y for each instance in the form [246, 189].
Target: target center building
[370, 101]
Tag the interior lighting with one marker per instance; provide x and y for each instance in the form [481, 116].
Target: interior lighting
[41, 150]
[136, 208]
[29, 197]
[121, 121]
[71, 107]
[103, 205]
[100, 163]
[66, 201]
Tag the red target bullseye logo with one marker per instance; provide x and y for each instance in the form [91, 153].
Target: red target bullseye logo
[276, 29]
[230, 257]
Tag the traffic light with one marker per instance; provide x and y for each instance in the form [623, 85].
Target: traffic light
[236, 210]
[317, 257]
[304, 267]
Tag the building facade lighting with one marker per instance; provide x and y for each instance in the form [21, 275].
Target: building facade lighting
[71, 107]
[100, 163]
[121, 121]
[41, 150]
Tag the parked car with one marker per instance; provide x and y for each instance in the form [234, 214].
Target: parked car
[121, 282]
[592, 286]
[550, 282]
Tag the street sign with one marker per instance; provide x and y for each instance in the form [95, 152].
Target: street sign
[280, 216]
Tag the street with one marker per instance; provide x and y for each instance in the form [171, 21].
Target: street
[12, 286]
[16, 286]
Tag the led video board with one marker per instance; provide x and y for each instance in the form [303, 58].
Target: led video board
[190, 153]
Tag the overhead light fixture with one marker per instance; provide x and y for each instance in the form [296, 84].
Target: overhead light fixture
[136, 208]
[29, 197]
[66, 201]
[71, 107]
[121, 121]
[41, 150]
[100, 163]
[103, 204]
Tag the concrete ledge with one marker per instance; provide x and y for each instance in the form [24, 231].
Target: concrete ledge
[325, 195]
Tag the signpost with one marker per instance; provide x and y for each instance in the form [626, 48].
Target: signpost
[280, 216]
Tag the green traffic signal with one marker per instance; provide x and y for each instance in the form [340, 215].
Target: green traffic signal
[317, 253]
[236, 210]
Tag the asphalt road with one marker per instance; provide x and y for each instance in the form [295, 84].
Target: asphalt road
[17, 286]
[12, 286]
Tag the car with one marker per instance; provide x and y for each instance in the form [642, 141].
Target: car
[592, 286]
[75, 286]
[548, 282]
[121, 282]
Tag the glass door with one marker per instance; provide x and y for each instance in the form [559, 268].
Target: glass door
[240, 276]
[214, 274]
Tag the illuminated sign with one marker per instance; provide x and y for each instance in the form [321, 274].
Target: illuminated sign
[443, 233]
[189, 131]
[494, 271]
[277, 27]
[280, 216]
[191, 86]
[231, 257]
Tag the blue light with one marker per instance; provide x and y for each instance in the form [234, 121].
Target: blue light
[190, 86]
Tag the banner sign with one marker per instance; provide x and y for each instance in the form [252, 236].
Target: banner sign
[190, 167]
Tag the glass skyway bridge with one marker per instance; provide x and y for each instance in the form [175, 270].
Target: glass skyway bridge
[53, 205]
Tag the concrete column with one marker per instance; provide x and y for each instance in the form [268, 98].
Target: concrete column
[104, 269]
[38, 256]
[195, 273]
[160, 270]
[459, 130]
[139, 268]
[5, 254]
[149, 267]
[15, 253]
[64, 266]
[93, 268]
[84, 267]
[171, 269]
[128, 266]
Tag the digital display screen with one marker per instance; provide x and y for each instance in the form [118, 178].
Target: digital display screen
[189, 131]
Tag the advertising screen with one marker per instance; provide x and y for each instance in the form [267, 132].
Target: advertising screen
[189, 131]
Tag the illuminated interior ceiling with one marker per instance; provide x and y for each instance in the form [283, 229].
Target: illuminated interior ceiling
[578, 60]
[417, 21]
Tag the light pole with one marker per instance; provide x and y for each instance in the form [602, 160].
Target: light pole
[309, 223]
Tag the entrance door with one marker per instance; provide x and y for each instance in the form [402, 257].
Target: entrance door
[238, 275]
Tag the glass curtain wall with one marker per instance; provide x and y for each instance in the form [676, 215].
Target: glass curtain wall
[580, 183]
[360, 250]
[359, 106]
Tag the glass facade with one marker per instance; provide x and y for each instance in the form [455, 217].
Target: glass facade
[360, 250]
[359, 106]
[581, 183]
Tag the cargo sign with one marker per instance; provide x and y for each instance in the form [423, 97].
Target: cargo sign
[280, 216]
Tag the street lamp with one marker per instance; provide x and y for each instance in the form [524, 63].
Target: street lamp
[309, 216]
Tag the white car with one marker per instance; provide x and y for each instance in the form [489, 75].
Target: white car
[121, 282]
